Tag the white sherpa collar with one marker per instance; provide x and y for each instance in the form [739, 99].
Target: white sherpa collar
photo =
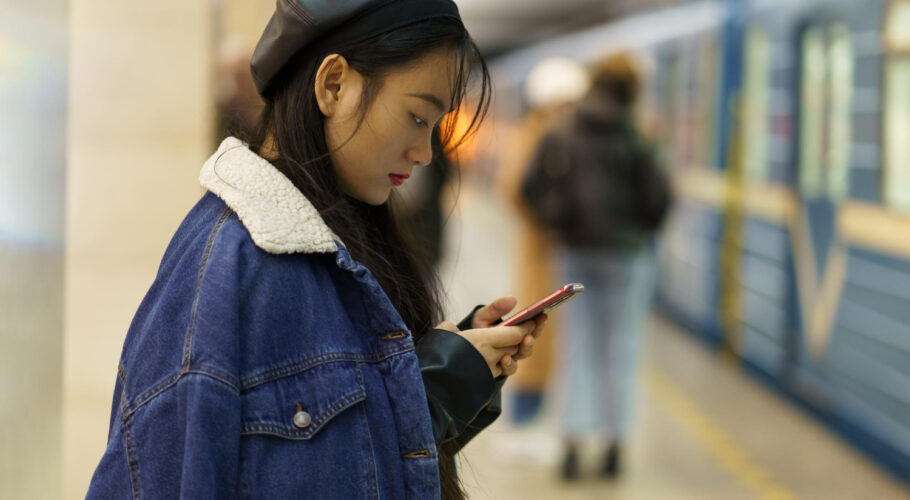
[277, 215]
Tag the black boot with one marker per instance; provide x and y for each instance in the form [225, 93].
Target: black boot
[611, 461]
[569, 470]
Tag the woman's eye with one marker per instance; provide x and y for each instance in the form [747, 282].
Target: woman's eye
[419, 121]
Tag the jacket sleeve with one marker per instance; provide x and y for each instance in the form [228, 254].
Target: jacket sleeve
[178, 435]
[198, 440]
[461, 392]
[183, 443]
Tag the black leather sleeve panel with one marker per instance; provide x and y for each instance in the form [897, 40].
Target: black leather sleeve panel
[468, 322]
[461, 392]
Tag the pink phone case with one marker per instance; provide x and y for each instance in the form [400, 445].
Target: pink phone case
[549, 302]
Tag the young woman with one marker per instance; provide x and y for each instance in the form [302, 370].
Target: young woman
[287, 347]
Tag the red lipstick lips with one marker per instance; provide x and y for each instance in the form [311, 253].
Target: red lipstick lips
[398, 179]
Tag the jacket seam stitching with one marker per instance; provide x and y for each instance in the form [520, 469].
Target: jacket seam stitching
[132, 461]
[124, 410]
[248, 383]
[188, 345]
[124, 406]
[154, 391]
[375, 325]
[212, 376]
[214, 372]
[169, 382]
[374, 483]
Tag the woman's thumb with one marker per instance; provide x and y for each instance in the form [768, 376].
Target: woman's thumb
[504, 304]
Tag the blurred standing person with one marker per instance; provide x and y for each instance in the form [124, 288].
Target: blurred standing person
[596, 184]
[551, 90]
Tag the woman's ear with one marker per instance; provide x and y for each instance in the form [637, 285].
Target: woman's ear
[333, 79]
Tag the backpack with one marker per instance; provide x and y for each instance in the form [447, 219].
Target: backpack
[597, 188]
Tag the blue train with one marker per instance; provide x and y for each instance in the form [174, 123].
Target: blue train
[786, 125]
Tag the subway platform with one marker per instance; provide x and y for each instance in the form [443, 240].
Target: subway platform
[704, 428]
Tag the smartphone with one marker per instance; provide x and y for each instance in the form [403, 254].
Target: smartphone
[545, 304]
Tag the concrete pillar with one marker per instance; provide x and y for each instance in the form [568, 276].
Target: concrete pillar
[140, 127]
[33, 79]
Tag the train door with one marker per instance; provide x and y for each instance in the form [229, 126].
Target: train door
[756, 306]
[684, 93]
[824, 110]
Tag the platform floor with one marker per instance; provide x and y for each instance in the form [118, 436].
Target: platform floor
[704, 428]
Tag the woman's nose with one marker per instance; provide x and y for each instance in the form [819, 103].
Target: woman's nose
[421, 155]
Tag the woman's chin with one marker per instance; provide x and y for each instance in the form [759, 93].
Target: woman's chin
[375, 199]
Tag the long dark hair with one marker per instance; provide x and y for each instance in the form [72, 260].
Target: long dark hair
[291, 127]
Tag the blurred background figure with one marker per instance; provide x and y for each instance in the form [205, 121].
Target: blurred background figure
[552, 87]
[595, 183]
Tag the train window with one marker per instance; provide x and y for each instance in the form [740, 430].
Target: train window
[670, 107]
[755, 103]
[706, 100]
[826, 97]
[897, 29]
[840, 104]
[812, 111]
[897, 106]
[687, 126]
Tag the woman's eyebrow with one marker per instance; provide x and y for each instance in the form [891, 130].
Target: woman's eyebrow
[432, 99]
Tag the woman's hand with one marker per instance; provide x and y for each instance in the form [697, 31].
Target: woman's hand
[502, 347]
[486, 316]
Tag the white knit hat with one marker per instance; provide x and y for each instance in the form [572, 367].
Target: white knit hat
[556, 80]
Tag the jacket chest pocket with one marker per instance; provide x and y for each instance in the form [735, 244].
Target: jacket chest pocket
[298, 406]
[307, 434]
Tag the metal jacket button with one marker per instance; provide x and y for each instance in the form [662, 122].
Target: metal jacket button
[302, 419]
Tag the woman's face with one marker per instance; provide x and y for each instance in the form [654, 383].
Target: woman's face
[396, 132]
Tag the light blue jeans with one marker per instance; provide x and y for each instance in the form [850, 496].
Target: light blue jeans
[602, 334]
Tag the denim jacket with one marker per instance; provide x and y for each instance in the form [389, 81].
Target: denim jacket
[265, 362]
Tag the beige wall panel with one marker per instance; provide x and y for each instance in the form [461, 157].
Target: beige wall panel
[243, 20]
[140, 126]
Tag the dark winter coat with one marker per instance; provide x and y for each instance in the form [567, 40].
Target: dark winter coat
[596, 182]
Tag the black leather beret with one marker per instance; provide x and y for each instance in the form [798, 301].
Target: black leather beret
[297, 24]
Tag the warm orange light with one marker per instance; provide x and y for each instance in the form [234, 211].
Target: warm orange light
[463, 143]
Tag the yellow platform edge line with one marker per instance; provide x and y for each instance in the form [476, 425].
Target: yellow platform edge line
[720, 445]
